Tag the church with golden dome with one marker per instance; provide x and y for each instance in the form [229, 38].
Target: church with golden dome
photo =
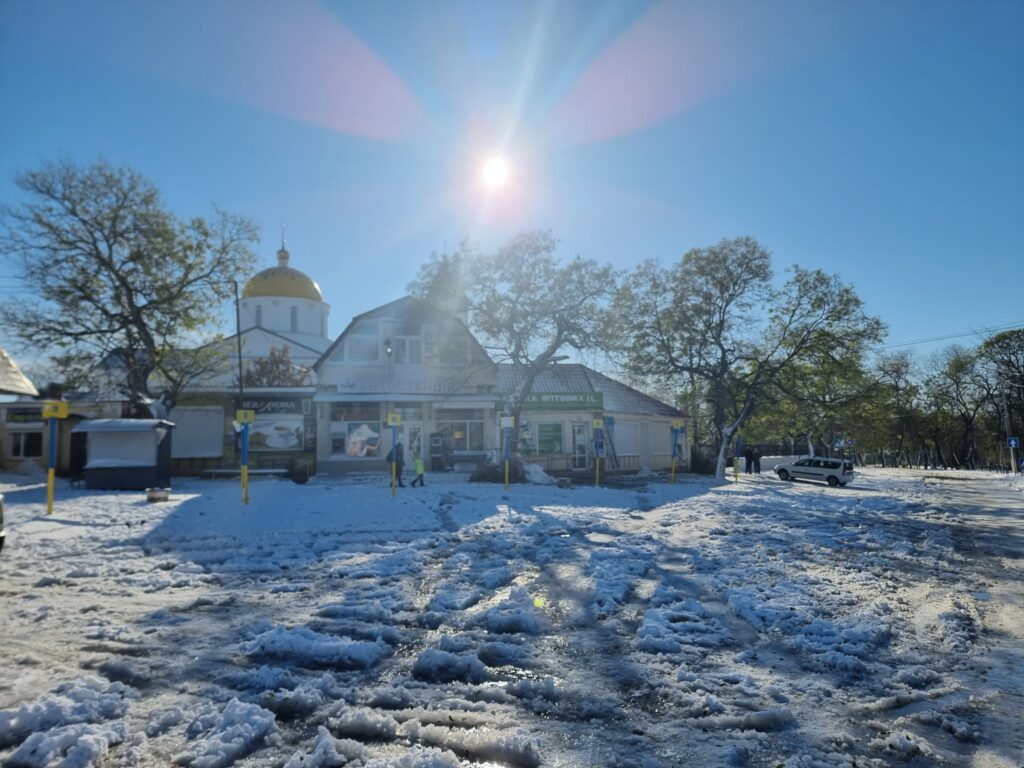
[284, 304]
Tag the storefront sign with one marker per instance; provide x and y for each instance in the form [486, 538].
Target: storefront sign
[565, 401]
[268, 406]
[394, 386]
[24, 415]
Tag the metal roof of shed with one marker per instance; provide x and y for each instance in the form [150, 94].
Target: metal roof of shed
[121, 425]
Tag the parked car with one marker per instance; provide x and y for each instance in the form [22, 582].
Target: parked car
[3, 533]
[832, 471]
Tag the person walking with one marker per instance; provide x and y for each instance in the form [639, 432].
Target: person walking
[757, 461]
[748, 458]
[396, 457]
[417, 463]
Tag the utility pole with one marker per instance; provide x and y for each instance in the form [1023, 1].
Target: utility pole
[1006, 426]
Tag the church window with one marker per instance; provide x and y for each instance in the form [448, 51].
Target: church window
[259, 316]
[295, 319]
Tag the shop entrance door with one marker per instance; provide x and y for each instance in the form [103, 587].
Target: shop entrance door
[579, 446]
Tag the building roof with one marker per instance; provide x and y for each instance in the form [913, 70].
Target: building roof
[12, 380]
[579, 379]
[122, 425]
[410, 308]
[282, 280]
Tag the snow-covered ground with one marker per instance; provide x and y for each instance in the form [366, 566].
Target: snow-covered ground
[691, 624]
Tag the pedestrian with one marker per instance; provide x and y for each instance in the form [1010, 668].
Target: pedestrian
[757, 461]
[748, 458]
[417, 462]
[396, 458]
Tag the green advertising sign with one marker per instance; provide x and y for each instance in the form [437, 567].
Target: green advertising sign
[565, 401]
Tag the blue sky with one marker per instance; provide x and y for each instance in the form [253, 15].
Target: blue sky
[883, 141]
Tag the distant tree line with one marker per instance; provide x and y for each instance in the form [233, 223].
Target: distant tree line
[109, 274]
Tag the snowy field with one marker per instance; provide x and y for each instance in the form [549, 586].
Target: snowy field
[697, 624]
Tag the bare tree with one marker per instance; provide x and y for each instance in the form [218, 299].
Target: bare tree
[107, 272]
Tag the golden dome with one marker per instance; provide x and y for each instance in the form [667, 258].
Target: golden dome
[282, 280]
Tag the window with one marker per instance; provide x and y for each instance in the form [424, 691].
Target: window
[549, 438]
[295, 320]
[323, 323]
[355, 429]
[259, 316]
[466, 427]
[26, 445]
[407, 350]
[408, 411]
[362, 350]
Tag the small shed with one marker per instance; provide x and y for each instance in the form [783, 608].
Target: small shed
[127, 454]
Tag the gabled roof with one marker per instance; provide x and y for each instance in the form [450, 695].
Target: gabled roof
[579, 379]
[12, 380]
[405, 306]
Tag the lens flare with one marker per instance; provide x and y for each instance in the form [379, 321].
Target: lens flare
[495, 172]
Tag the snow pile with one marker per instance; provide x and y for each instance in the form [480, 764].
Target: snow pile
[444, 667]
[514, 748]
[304, 646]
[329, 751]
[89, 699]
[614, 572]
[519, 613]
[536, 475]
[672, 623]
[69, 746]
[364, 724]
[222, 736]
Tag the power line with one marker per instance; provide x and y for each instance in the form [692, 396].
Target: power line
[975, 332]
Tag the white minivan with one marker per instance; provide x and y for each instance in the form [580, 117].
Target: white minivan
[832, 471]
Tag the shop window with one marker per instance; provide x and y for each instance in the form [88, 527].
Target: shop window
[467, 435]
[26, 445]
[549, 438]
[408, 411]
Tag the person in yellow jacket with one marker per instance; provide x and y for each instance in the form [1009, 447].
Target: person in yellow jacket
[417, 462]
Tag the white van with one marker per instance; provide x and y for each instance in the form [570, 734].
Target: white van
[832, 471]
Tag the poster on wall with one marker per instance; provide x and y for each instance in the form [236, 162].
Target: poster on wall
[276, 433]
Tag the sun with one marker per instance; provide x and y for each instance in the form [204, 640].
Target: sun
[495, 172]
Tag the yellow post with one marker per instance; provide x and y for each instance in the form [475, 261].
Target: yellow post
[53, 410]
[736, 469]
[673, 470]
[245, 417]
[49, 491]
[506, 474]
[394, 476]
